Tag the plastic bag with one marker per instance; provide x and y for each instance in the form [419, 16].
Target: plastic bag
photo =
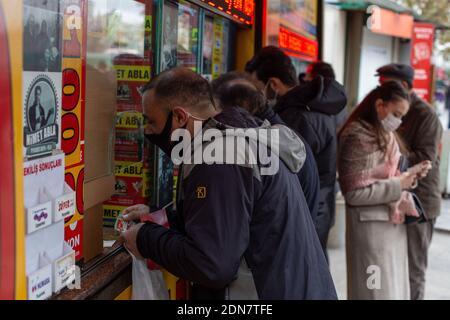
[147, 285]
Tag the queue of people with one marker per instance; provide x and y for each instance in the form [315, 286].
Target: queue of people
[240, 233]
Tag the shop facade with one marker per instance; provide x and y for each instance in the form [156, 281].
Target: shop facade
[377, 33]
[74, 137]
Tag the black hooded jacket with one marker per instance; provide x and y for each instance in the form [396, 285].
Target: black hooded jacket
[308, 175]
[310, 109]
[229, 211]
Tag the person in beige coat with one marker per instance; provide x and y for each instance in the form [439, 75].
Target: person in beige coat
[376, 195]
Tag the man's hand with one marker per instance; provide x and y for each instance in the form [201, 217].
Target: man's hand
[134, 213]
[425, 166]
[128, 239]
[421, 169]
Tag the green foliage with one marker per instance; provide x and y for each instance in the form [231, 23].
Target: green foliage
[437, 11]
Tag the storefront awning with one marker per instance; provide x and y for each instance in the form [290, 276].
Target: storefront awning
[386, 17]
[364, 4]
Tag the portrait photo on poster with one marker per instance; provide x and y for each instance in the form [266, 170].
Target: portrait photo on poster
[42, 22]
[170, 37]
[42, 103]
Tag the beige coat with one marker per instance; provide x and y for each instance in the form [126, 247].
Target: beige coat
[376, 248]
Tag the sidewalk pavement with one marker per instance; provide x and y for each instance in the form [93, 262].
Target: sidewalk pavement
[443, 222]
[438, 273]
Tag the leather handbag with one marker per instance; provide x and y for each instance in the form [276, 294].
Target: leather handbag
[422, 218]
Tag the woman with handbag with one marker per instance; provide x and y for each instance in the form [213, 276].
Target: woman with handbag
[377, 200]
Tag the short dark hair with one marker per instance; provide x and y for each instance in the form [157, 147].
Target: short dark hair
[321, 68]
[181, 86]
[38, 88]
[238, 89]
[272, 62]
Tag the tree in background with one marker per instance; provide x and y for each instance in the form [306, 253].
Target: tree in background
[437, 11]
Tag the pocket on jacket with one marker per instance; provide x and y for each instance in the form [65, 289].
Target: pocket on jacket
[373, 213]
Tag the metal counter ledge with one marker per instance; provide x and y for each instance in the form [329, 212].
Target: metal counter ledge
[103, 278]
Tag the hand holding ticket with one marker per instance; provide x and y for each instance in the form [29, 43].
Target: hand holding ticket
[121, 225]
[132, 219]
[141, 213]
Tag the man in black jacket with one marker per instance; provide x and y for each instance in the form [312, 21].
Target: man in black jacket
[240, 89]
[310, 109]
[230, 212]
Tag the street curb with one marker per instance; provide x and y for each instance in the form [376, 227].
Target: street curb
[442, 230]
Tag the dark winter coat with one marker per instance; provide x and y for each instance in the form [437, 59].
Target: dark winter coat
[311, 110]
[227, 212]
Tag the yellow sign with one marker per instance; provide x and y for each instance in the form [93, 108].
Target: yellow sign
[129, 120]
[133, 73]
[217, 48]
[148, 23]
[110, 214]
[129, 169]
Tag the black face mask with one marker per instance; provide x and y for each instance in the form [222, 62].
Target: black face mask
[162, 140]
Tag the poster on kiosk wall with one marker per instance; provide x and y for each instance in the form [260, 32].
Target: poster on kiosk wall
[48, 199]
[41, 77]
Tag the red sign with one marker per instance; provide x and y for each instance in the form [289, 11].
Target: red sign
[297, 45]
[7, 210]
[239, 10]
[73, 235]
[421, 53]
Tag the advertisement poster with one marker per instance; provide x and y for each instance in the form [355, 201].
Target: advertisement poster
[73, 113]
[164, 180]
[170, 37]
[42, 25]
[42, 36]
[187, 36]
[208, 39]
[73, 236]
[132, 72]
[421, 53]
[42, 112]
[74, 177]
[218, 47]
[129, 143]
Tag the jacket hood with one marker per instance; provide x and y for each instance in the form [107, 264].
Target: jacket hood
[291, 149]
[322, 95]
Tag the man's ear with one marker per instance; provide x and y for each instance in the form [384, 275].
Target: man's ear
[275, 84]
[406, 86]
[180, 117]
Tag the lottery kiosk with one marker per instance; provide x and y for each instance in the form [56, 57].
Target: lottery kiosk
[72, 135]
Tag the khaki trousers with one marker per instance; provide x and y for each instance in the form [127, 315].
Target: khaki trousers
[419, 240]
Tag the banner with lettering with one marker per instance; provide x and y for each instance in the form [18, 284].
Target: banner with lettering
[73, 111]
[421, 54]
